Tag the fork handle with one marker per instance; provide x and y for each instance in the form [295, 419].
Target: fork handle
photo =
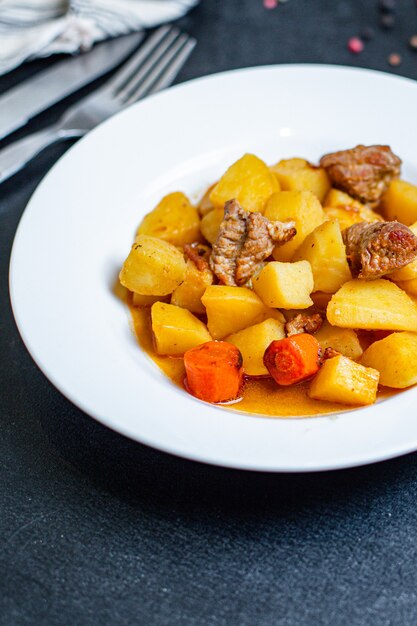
[14, 157]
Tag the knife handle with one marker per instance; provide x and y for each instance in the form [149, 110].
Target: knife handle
[14, 157]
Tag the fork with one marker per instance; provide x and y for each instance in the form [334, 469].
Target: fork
[153, 67]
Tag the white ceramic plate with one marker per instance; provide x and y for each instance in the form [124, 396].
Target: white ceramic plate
[79, 225]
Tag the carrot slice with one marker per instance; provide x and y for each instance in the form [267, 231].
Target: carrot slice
[214, 371]
[292, 359]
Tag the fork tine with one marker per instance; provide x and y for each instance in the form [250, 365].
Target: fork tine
[164, 71]
[167, 77]
[129, 68]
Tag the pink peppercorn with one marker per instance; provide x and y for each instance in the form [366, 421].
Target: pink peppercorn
[355, 45]
[270, 4]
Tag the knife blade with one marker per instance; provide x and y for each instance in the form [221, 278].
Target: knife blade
[19, 104]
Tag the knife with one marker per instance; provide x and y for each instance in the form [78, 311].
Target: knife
[19, 104]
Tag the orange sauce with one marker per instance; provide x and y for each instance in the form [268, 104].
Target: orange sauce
[260, 396]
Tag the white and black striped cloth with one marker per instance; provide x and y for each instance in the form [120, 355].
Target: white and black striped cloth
[38, 28]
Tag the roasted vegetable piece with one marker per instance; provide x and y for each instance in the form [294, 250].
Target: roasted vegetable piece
[210, 224]
[375, 250]
[285, 285]
[176, 330]
[340, 199]
[344, 340]
[205, 205]
[325, 251]
[395, 359]
[230, 309]
[153, 267]
[374, 305]
[188, 294]
[301, 206]
[292, 359]
[342, 380]
[214, 371]
[147, 301]
[300, 175]
[363, 172]
[249, 181]
[409, 286]
[174, 220]
[252, 343]
[400, 202]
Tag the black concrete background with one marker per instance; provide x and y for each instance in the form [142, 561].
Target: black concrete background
[95, 529]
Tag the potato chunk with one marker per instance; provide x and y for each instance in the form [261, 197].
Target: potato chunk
[395, 358]
[338, 198]
[344, 340]
[285, 285]
[230, 309]
[176, 330]
[153, 268]
[325, 251]
[400, 202]
[346, 210]
[249, 181]
[174, 220]
[342, 380]
[252, 343]
[409, 286]
[408, 272]
[373, 305]
[188, 294]
[210, 225]
[146, 301]
[300, 175]
[301, 206]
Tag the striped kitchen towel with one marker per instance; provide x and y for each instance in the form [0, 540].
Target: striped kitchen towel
[39, 28]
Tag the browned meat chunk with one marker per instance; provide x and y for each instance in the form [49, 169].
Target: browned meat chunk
[303, 323]
[374, 250]
[363, 172]
[327, 353]
[198, 254]
[244, 241]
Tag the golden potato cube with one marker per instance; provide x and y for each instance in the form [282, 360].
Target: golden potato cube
[252, 343]
[395, 358]
[339, 205]
[408, 272]
[268, 313]
[373, 305]
[146, 301]
[153, 268]
[176, 330]
[342, 380]
[399, 202]
[285, 285]
[210, 225]
[174, 220]
[188, 294]
[230, 309]
[325, 251]
[301, 206]
[337, 198]
[344, 340]
[205, 205]
[249, 181]
[409, 286]
[300, 175]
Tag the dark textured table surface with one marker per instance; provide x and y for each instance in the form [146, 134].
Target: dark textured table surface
[96, 529]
